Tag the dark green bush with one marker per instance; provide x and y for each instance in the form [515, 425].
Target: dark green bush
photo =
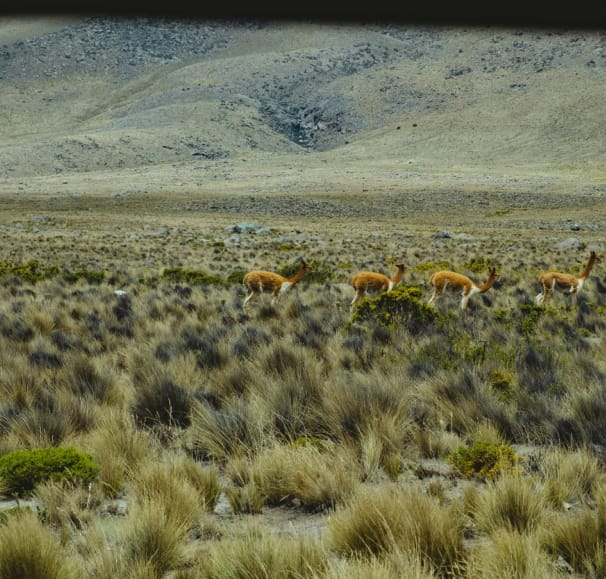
[22, 470]
[432, 266]
[478, 264]
[529, 318]
[323, 273]
[402, 305]
[32, 270]
[236, 276]
[483, 459]
[290, 269]
[89, 275]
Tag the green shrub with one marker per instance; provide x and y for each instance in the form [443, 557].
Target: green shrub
[529, 318]
[483, 459]
[503, 383]
[32, 270]
[320, 273]
[89, 275]
[22, 470]
[190, 276]
[236, 276]
[323, 273]
[430, 266]
[478, 264]
[402, 305]
[429, 358]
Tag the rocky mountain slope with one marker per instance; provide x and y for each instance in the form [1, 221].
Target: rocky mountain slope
[110, 96]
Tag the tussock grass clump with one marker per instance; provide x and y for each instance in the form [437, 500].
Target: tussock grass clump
[90, 276]
[67, 506]
[86, 377]
[247, 340]
[432, 356]
[37, 427]
[286, 384]
[512, 554]
[163, 402]
[207, 343]
[205, 479]
[382, 445]
[395, 565]
[219, 434]
[383, 520]
[256, 554]
[159, 395]
[123, 447]
[461, 398]
[587, 408]
[15, 329]
[579, 536]
[194, 277]
[152, 539]
[570, 475]
[30, 550]
[352, 403]
[312, 477]
[512, 502]
[246, 499]
[173, 488]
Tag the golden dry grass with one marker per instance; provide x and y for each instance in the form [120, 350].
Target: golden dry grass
[204, 417]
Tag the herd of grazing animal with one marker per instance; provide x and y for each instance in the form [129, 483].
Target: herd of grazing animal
[258, 282]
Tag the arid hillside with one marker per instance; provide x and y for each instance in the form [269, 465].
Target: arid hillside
[107, 104]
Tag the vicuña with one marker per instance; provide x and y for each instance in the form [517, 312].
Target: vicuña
[258, 281]
[441, 280]
[564, 282]
[370, 281]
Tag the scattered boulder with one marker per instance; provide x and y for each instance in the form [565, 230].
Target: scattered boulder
[570, 243]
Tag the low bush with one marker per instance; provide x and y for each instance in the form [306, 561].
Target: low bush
[22, 470]
[483, 459]
[89, 275]
[32, 270]
[402, 305]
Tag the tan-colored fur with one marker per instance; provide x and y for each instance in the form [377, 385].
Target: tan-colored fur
[441, 280]
[260, 281]
[564, 282]
[370, 281]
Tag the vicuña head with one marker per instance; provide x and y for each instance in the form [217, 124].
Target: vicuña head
[259, 281]
[564, 282]
[441, 280]
[372, 282]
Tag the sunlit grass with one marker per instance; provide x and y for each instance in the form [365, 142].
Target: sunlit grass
[202, 415]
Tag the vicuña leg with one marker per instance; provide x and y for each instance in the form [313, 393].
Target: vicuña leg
[356, 298]
[251, 296]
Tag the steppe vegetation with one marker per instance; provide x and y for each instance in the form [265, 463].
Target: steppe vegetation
[151, 427]
[301, 439]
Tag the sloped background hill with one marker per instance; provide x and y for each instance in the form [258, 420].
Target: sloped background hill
[301, 100]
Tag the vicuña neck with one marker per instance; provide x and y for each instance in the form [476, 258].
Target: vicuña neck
[488, 283]
[398, 275]
[298, 276]
[588, 267]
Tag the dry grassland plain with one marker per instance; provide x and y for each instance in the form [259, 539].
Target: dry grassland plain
[302, 439]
